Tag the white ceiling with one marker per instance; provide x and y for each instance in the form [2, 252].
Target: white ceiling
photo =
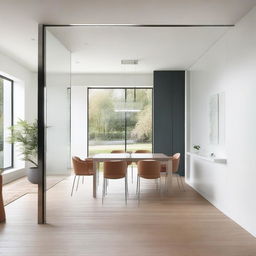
[19, 18]
[101, 49]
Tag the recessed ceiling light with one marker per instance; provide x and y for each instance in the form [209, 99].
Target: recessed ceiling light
[129, 62]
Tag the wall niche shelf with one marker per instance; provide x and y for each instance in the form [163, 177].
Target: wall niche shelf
[208, 158]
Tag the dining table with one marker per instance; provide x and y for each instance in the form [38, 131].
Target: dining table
[131, 157]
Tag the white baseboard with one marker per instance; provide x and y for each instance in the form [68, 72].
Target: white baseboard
[13, 174]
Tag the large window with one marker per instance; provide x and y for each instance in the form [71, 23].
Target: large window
[119, 119]
[6, 120]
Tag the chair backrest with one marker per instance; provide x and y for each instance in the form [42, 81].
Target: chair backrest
[142, 151]
[117, 151]
[149, 169]
[82, 167]
[114, 169]
[175, 162]
[120, 151]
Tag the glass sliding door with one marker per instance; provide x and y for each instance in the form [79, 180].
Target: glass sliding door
[119, 119]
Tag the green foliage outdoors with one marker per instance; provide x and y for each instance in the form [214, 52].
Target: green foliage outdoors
[143, 130]
[24, 134]
[107, 125]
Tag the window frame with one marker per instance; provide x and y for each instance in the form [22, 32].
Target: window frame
[122, 88]
[12, 119]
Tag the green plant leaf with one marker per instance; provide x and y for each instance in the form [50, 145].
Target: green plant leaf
[25, 136]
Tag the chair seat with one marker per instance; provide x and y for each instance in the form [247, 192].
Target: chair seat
[85, 174]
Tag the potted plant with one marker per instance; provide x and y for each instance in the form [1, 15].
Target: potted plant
[24, 134]
[2, 212]
[196, 148]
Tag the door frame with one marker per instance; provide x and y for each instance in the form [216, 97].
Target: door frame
[41, 118]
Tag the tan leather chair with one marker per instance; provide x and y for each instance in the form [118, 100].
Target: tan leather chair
[114, 170]
[148, 169]
[81, 168]
[120, 151]
[175, 167]
[142, 151]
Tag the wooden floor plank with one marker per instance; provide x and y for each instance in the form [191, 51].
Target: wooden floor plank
[184, 224]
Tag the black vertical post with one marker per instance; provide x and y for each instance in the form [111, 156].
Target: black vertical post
[41, 124]
[125, 123]
[12, 123]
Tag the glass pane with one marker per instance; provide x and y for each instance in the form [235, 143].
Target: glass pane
[106, 122]
[1, 126]
[139, 122]
[57, 114]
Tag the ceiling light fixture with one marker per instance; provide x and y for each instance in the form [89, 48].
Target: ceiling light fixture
[129, 62]
[128, 106]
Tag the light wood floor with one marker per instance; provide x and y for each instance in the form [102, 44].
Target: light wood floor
[184, 224]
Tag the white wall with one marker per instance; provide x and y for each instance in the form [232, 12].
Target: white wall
[25, 98]
[229, 66]
[25, 79]
[79, 101]
[112, 80]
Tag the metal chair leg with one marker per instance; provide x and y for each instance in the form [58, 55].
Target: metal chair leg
[77, 183]
[165, 185]
[126, 189]
[137, 187]
[106, 186]
[132, 172]
[74, 180]
[103, 189]
[160, 186]
[138, 190]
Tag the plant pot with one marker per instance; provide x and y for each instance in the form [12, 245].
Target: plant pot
[2, 212]
[33, 175]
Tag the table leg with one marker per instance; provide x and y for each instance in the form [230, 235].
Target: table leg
[169, 176]
[95, 179]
